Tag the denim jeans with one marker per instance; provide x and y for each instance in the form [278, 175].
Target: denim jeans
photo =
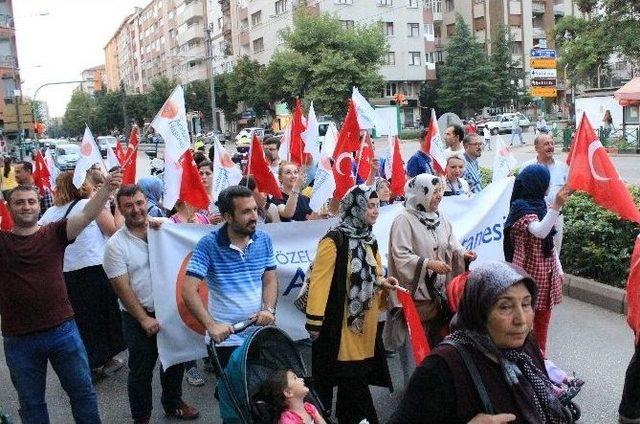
[630, 404]
[27, 358]
[143, 355]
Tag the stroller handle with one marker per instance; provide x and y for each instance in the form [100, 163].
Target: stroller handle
[240, 326]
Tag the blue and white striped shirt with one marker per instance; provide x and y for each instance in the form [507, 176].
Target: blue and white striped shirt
[472, 174]
[233, 276]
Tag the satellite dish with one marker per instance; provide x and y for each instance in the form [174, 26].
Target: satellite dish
[446, 120]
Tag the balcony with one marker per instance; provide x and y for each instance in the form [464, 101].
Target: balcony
[8, 61]
[6, 21]
[192, 11]
[558, 9]
[539, 33]
[194, 32]
[516, 34]
[537, 8]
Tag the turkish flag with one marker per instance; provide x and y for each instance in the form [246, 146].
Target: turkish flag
[348, 142]
[298, 156]
[591, 170]
[192, 190]
[633, 292]
[433, 145]
[41, 175]
[131, 158]
[417, 337]
[364, 157]
[6, 221]
[398, 174]
[259, 168]
[120, 155]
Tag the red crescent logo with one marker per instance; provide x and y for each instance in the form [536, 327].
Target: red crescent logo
[86, 149]
[186, 315]
[169, 110]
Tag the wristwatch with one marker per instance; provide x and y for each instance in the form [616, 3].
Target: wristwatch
[270, 309]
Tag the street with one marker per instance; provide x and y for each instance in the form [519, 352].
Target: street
[594, 343]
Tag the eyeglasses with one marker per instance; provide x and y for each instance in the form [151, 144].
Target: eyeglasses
[477, 143]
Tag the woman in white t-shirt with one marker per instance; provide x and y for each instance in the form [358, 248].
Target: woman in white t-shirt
[94, 303]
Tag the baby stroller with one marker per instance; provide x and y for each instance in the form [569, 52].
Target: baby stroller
[267, 350]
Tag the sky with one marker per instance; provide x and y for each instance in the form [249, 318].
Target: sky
[60, 45]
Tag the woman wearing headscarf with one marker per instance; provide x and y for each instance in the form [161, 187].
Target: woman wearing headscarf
[528, 241]
[346, 297]
[493, 326]
[424, 255]
[152, 188]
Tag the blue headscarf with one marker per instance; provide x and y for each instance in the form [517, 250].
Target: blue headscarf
[528, 198]
[152, 188]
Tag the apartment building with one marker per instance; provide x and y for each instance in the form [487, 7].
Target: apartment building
[94, 79]
[9, 72]
[165, 38]
[253, 28]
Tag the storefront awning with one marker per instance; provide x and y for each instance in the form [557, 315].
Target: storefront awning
[629, 94]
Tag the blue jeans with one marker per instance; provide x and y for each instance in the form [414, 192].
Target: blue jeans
[27, 358]
[517, 133]
[143, 355]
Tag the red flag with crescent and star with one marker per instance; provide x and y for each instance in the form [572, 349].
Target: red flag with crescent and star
[591, 170]
[348, 142]
[41, 175]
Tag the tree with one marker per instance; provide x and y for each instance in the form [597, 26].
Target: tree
[81, 111]
[466, 73]
[324, 60]
[137, 106]
[222, 98]
[197, 96]
[506, 74]
[160, 91]
[108, 112]
[247, 85]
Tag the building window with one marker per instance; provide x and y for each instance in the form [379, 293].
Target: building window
[451, 29]
[439, 56]
[414, 58]
[343, 1]
[414, 30]
[244, 24]
[448, 5]
[388, 28]
[436, 6]
[413, 3]
[516, 47]
[429, 30]
[391, 89]
[390, 59]
[348, 24]
[385, 3]
[281, 6]
[258, 45]
[430, 57]
[256, 18]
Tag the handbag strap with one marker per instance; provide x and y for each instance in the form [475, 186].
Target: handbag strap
[66, 214]
[475, 376]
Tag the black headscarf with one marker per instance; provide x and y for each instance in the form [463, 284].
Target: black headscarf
[529, 385]
[527, 198]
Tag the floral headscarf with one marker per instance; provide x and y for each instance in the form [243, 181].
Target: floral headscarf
[362, 265]
[418, 192]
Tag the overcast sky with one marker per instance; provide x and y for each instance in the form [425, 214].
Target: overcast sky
[59, 46]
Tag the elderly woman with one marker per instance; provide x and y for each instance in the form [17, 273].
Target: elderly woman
[424, 254]
[346, 297]
[528, 241]
[491, 352]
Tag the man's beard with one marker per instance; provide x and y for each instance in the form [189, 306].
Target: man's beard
[244, 230]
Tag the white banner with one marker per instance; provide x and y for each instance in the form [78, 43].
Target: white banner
[476, 221]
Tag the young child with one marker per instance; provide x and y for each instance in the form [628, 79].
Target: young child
[285, 391]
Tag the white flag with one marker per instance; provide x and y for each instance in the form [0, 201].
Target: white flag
[89, 156]
[51, 164]
[330, 141]
[225, 172]
[112, 160]
[171, 124]
[388, 163]
[283, 152]
[323, 185]
[311, 135]
[504, 162]
[367, 116]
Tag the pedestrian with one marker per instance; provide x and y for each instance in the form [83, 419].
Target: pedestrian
[185, 213]
[559, 173]
[267, 208]
[8, 175]
[472, 151]
[383, 188]
[347, 293]
[271, 146]
[453, 136]
[528, 241]
[36, 315]
[486, 133]
[238, 264]
[516, 129]
[94, 303]
[607, 124]
[152, 188]
[455, 185]
[541, 125]
[126, 263]
[24, 176]
[471, 128]
[294, 206]
[205, 168]
[489, 370]
[420, 162]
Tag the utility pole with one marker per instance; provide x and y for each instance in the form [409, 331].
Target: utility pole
[124, 108]
[212, 82]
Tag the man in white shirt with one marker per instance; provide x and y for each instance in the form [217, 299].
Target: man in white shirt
[453, 136]
[559, 171]
[126, 263]
[271, 146]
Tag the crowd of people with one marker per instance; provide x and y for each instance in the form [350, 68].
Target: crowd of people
[76, 290]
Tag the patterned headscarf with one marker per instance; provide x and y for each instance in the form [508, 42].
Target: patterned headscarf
[530, 386]
[418, 192]
[362, 265]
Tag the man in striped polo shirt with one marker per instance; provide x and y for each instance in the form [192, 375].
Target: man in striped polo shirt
[239, 267]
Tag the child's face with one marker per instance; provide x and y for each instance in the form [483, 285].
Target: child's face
[295, 386]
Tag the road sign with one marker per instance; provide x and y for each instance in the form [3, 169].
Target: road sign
[544, 92]
[543, 82]
[544, 73]
[543, 53]
[542, 63]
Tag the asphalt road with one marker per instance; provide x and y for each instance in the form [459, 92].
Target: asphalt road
[593, 342]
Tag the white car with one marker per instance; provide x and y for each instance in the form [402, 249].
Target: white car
[245, 136]
[105, 142]
[501, 124]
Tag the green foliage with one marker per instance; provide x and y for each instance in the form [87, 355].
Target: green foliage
[138, 109]
[505, 73]
[324, 61]
[466, 75]
[247, 85]
[108, 112]
[197, 96]
[429, 98]
[408, 135]
[161, 89]
[81, 111]
[597, 244]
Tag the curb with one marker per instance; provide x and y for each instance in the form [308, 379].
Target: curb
[613, 299]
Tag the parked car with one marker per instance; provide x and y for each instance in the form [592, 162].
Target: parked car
[323, 125]
[104, 142]
[501, 124]
[65, 156]
[244, 137]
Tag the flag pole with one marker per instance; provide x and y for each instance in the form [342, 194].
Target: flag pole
[135, 148]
